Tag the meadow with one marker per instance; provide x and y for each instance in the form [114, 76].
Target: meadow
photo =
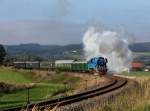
[135, 99]
[12, 77]
[138, 54]
[49, 88]
[52, 86]
[138, 74]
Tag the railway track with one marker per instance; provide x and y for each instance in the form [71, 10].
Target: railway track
[114, 84]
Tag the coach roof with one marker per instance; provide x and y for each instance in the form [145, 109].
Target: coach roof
[64, 61]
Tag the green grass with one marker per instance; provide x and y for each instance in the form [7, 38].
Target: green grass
[138, 54]
[12, 77]
[46, 89]
[138, 73]
[39, 92]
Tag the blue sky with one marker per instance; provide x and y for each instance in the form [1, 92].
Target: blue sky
[65, 21]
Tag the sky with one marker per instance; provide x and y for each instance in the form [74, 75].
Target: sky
[65, 21]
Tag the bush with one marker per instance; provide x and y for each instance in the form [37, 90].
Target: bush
[2, 54]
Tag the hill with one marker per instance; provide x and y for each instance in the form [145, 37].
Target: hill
[45, 51]
[57, 51]
[140, 47]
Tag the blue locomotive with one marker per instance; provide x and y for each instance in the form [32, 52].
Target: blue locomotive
[98, 64]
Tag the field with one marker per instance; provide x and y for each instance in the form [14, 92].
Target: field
[52, 86]
[46, 89]
[137, 54]
[12, 77]
[138, 74]
[135, 99]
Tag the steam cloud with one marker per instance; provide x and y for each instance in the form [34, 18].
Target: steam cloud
[108, 44]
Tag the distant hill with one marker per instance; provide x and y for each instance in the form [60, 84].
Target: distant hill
[140, 47]
[42, 50]
[57, 50]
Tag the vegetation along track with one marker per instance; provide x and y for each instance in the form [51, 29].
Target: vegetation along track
[114, 84]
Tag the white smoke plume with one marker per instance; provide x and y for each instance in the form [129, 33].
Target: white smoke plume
[108, 44]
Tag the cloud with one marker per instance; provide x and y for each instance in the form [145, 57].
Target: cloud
[44, 32]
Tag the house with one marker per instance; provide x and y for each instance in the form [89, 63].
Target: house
[137, 66]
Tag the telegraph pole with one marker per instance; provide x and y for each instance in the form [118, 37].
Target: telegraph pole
[86, 84]
[28, 99]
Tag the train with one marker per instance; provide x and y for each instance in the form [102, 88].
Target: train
[96, 64]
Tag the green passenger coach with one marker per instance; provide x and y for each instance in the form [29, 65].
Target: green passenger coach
[61, 65]
[71, 65]
[32, 65]
[64, 65]
[80, 66]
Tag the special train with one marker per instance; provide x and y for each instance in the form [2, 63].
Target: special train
[96, 64]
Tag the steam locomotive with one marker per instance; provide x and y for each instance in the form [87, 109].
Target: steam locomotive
[94, 65]
[98, 65]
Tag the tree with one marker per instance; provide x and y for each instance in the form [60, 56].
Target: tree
[2, 53]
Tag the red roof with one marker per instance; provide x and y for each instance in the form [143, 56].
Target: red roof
[137, 65]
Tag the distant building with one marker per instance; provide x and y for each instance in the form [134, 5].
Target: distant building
[137, 66]
[74, 51]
